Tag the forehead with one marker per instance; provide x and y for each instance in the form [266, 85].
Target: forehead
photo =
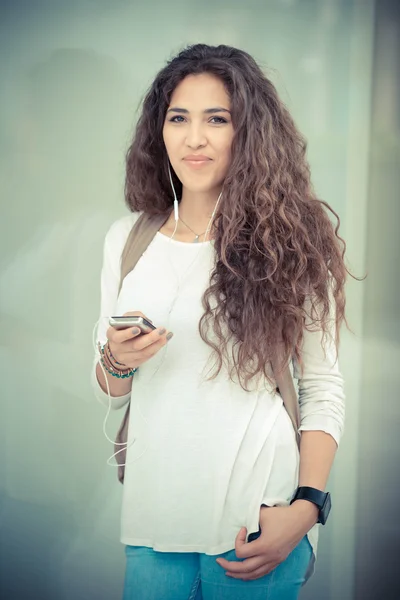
[198, 92]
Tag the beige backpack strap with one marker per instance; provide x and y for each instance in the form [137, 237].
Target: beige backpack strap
[138, 240]
[287, 390]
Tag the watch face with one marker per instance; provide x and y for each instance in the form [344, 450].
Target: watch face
[325, 510]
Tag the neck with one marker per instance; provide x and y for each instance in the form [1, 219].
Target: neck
[197, 207]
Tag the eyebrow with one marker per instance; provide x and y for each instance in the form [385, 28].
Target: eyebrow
[208, 111]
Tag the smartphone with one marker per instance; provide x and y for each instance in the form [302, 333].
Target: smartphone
[128, 322]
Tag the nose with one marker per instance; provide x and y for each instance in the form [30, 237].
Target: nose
[195, 137]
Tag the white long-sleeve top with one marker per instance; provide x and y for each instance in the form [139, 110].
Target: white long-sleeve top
[202, 455]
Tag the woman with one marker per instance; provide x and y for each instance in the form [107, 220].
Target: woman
[248, 261]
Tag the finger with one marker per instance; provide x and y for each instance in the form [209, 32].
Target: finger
[240, 542]
[241, 552]
[245, 549]
[147, 339]
[150, 351]
[254, 548]
[241, 567]
[240, 538]
[260, 572]
[119, 336]
[136, 358]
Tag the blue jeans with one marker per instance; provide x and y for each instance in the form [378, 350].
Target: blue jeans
[152, 575]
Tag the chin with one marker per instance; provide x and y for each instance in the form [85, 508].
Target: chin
[200, 187]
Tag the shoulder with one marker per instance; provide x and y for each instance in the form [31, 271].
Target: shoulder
[119, 231]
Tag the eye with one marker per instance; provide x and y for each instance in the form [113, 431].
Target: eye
[218, 120]
[174, 119]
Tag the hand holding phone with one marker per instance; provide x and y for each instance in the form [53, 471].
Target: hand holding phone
[126, 322]
[134, 349]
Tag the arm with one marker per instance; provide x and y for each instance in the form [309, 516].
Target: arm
[120, 389]
[321, 400]
[317, 452]
[322, 411]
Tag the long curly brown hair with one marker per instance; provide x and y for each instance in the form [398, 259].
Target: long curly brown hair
[279, 259]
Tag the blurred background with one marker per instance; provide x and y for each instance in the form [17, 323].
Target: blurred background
[72, 77]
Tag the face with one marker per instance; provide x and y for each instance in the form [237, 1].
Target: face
[198, 132]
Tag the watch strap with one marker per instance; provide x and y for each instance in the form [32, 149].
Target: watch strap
[311, 494]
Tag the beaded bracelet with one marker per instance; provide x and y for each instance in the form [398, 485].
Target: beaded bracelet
[110, 368]
[109, 358]
[119, 375]
[106, 355]
[114, 360]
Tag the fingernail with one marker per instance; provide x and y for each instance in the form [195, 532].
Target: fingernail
[162, 331]
[135, 330]
[169, 335]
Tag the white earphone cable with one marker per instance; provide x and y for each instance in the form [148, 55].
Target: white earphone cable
[125, 445]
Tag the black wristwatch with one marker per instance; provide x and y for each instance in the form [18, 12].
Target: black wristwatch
[320, 499]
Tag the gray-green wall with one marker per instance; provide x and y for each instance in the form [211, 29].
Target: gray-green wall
[72, 76]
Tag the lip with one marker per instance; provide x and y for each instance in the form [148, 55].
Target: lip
[196, 158]
[196, 161]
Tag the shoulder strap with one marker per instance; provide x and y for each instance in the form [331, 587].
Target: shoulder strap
[138, 240]
[287, 390]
